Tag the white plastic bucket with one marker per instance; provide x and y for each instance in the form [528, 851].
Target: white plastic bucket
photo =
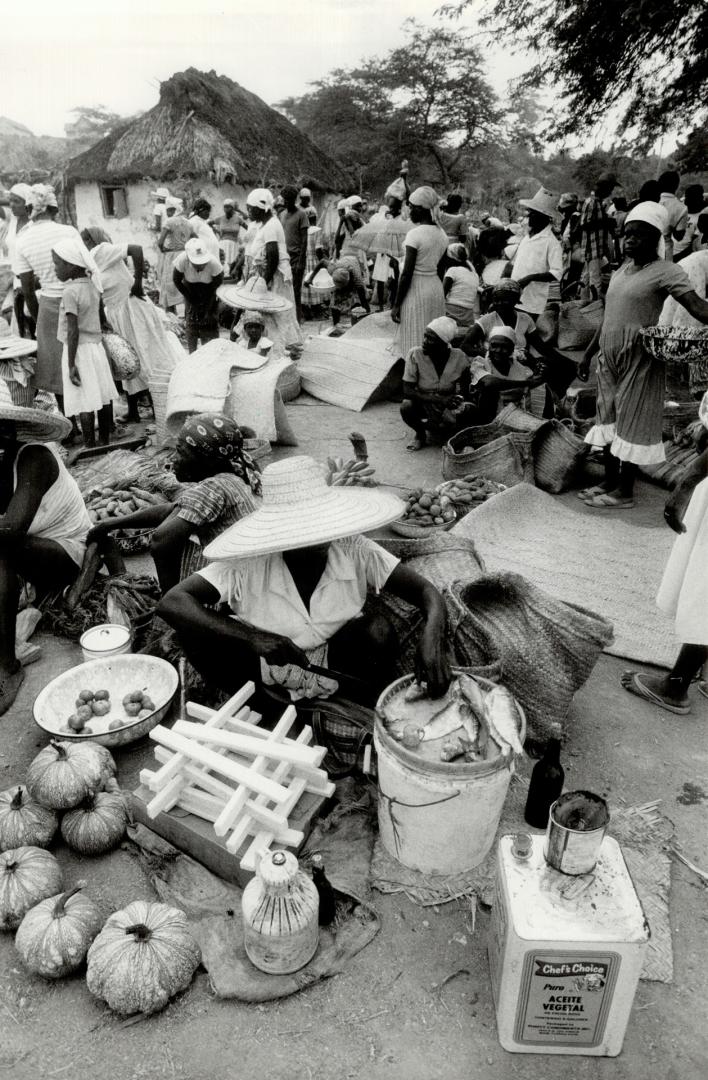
[108, 639]
[437, 817]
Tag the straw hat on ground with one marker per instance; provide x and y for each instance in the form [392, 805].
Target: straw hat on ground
[543, 202]
[31, 425]
[254, 295]
[300, 510]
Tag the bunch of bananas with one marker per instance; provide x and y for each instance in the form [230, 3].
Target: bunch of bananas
[350, 473]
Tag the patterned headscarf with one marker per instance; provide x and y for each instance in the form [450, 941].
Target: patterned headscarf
[218, 438]
[506, 291]
[42, 196]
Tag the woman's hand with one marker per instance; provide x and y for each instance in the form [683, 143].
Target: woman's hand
[396, 314]
[74, 376]
[431, 662]
[675, 508]
[278, 650]
[97, 533]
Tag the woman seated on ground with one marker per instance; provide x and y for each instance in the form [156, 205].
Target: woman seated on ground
[348, 283]
[43, 521]
[461, 287]
[295, 575]
[433, 376]
[494, 380]
[222, 480]
[252, 333]
[560, 370]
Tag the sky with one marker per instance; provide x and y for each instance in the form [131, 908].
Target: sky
[74, 53]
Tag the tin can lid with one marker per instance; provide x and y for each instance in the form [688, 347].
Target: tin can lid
[104, 638]
[277, 870]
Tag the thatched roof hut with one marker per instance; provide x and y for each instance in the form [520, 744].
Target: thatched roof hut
[205, 125]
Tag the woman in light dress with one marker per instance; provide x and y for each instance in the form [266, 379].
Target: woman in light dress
[175, 233]
[420, 297]
[269, 259]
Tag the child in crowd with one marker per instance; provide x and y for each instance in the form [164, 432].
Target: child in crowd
[88, 386]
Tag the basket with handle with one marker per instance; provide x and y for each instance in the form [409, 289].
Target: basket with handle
[558, 456]
[507, 460]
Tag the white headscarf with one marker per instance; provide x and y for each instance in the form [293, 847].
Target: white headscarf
[444, 327]
[74, 251]
[654, 214]
[503, 332]
[23, 191]
[260, 197]
[42, 196]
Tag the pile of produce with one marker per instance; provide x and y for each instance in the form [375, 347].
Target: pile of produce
[139, 957]
[126, 598]
[350, 473]
[476, 724]
[119, 499]
[428, 508]
[90, 703]
[469, 491]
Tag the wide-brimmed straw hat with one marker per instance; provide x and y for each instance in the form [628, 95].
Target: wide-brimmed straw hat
[254, 295]
[160, 193]
[300, 510]
[31, 425]
[543, 202]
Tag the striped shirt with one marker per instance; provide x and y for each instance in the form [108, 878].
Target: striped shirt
[214, 504]
[33, 253]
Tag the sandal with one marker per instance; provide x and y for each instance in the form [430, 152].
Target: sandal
[591, 492]
[606, 501]
[631, 681]
[703, 688]
[417, 444]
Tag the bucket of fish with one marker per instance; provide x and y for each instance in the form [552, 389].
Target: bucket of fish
[576, 828]
[444, 768]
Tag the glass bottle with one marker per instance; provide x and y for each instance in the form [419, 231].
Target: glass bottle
[545, 787]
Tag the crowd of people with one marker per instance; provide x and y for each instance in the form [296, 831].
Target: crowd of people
[466, 297]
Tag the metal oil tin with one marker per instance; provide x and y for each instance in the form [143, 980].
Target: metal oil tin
[577, 824]
[565, 954]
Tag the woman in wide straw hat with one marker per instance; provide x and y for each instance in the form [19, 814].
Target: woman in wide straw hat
[43, 520]
[295, 575]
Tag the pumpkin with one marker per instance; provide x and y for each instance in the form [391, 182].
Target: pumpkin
[23, 822]
[64, 773]
[97, 824]
[54, 936]
[108, 765]
[144, 955]
[27, 875]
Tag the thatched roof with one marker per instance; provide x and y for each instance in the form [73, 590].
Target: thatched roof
[206, 125]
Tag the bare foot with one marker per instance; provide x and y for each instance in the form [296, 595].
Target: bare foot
[417, 444]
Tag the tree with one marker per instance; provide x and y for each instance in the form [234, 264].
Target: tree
[92, 124]
[692, 155]
[648, 59]
[428, 101]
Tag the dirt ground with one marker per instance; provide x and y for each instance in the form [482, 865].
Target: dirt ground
[387, 1015]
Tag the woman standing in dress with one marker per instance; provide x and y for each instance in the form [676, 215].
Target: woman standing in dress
[129, 311]
[199, 221]
[175, 233]
[269, 258]
[630, 383]
[461, 287]
[88, 384]
[420, 297]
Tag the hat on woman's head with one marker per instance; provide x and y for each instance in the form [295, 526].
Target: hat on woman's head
[261, 198]
[197, 252]
[299, 510]
[253, 295]
[31, 425]
[161, 193]
[544, 202]
[444, 327]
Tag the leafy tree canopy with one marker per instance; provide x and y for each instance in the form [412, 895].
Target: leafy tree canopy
[646, 58]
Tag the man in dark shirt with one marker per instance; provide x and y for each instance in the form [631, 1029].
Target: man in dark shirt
[295, 222]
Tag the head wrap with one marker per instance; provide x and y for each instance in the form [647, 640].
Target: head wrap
[568, 198]
[506, 290]
[503, 332]
[305, 193]
[342, 204]
[23, 191]
[444, 327]
[250, 318]
[73, 250]
[173, 203]
[651, 213]
[261, 198]
[458, 252]
[218, 439]
[94, 235]
[42, 196]
[703, 410]
[425, 197]
[354, 200]
[228, 202]
[340, 276]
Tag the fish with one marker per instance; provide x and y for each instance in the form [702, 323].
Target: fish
[473, 693]
[416, 692]
[504, 719]
[451, 750]
[470, 722]
[447, 719]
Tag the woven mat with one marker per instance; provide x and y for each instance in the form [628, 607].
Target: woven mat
[603, 563]
[345, 372]
[641, 830]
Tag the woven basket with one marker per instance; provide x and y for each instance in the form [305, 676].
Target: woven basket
[507, 460]
[257, 448]
[512, 418]
[159, 386]
[557, 457]
[577, 323]
[419, 532]
[289, 383]
[480, 434]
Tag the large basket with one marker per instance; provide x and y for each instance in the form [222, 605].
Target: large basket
[419, 532]
[507, 460]
[557, 457]
[577, 323]
[289, 383]
[512, 418]
[680, 344]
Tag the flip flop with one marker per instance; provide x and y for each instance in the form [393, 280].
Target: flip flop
[591, 492]
[703, 688]
[609, 502]
[634, 685]
[416, 445]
